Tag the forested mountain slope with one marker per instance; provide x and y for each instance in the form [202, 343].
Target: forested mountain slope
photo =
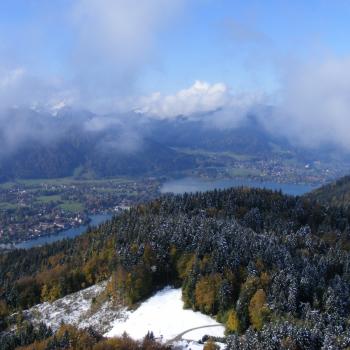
[274, 269]
[38, 145]
[336, 194]
[79, 154]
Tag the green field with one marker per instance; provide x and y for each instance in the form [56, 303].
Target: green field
[7, 206]
[7, 185]
[37, 188]
[210, 154]
[66, 181]
[242, 172]
[74, 207]
[48, 199]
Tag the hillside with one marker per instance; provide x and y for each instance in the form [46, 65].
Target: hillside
[271, 267]
[66, 145]
[335, 194]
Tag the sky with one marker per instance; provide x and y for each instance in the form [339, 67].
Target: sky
[237, 42]
[171, 57]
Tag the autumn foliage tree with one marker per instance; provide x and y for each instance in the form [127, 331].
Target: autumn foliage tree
[206, 293]
[232, 323]
[258, 310]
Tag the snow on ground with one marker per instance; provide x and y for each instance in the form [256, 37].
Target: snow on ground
[164, 315]
[77, 309]
[192, 345]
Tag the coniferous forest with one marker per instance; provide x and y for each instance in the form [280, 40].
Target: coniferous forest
[274, 269]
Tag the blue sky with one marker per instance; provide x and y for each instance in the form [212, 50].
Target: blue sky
[236, 42]
[206, 47]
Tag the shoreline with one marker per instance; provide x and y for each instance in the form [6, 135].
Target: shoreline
[84, 226]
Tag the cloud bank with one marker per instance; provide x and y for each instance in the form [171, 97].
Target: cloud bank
[115, 41]
[313, 105]
[20, 88]
[112, 42]
[311, 108]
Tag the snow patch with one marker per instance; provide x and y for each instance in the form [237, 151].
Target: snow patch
[164, 315]
[192, 345]
[77, 309]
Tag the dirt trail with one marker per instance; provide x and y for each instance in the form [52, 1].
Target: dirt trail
[179, 336]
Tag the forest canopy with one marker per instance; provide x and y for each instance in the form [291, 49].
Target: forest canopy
[262, 262]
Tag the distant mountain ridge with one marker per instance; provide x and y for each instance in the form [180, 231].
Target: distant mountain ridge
[62, 145]
[38, 144]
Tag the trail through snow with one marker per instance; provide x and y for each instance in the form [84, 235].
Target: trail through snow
[164, 315]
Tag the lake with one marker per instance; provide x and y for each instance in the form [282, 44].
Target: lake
[179, 186]
[65, 234]
[191, 184]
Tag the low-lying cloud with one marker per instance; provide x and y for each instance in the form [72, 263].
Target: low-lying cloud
[114, 41]
[201, 97]
[20, 88]
[313, 105]
[215, 104]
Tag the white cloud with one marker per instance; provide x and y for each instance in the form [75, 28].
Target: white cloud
[11, 78]
[198, 98]
[108, 45]
[225, 108]
[19, 88]
[214, 104]
[13, 85]
[115, 41]
[314, 103]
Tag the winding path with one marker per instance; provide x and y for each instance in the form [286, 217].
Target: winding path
[179, 336]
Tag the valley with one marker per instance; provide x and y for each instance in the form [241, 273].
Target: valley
[53, 187]
[35, 208]
[34, 212]
[284, 167]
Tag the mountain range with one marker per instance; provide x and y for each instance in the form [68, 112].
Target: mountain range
[37, 144]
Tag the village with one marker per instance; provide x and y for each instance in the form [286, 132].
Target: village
[30, 209]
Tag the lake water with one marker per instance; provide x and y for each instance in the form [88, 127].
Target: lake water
[70, 233]
[191, 184]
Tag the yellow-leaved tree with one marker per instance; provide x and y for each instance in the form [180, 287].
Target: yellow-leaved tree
[232, 323]
[210, 345]
[258, 309]
[206, 293]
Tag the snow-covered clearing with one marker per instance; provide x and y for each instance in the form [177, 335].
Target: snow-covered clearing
[164, 315]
